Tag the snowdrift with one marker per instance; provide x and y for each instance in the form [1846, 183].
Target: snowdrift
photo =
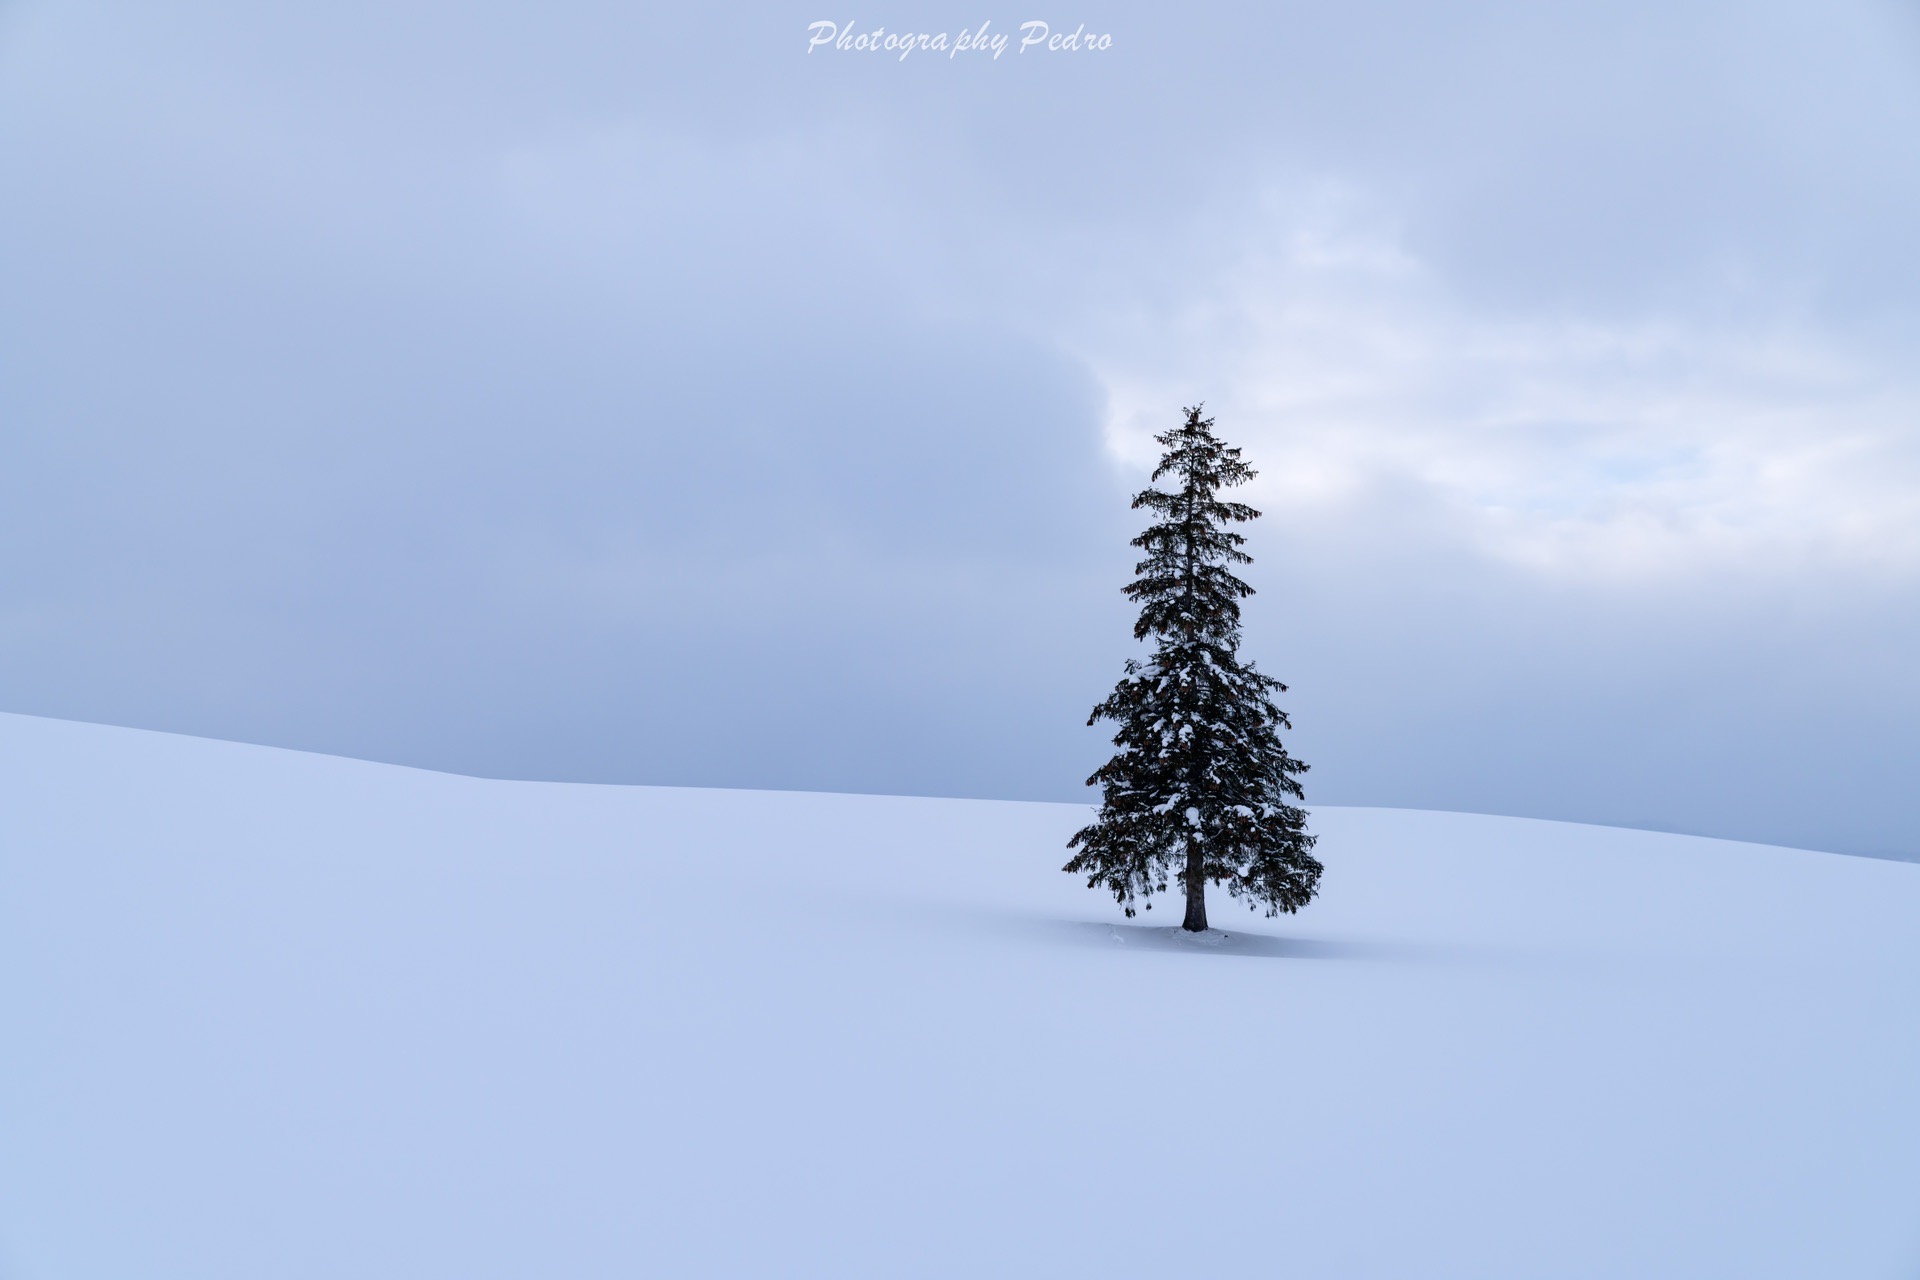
[275, 1014]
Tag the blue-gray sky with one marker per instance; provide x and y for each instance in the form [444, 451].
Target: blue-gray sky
[622, 393]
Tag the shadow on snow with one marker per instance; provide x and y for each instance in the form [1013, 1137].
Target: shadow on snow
[1235, 942]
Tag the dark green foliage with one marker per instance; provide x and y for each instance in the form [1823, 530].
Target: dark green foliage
[1200, 786]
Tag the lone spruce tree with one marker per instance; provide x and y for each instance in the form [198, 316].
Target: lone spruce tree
[1200, 785]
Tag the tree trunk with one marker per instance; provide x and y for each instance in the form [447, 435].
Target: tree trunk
[1196, 882]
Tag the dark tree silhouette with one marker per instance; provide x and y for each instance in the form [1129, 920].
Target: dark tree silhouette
[1200, 785]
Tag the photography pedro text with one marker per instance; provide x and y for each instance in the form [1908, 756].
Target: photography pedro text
[1033, 35]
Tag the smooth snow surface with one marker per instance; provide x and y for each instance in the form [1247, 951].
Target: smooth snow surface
[278, 1015]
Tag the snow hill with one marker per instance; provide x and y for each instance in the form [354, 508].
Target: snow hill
[268, 1014]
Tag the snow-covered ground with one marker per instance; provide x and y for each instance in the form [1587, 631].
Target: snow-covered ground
[268, 1014]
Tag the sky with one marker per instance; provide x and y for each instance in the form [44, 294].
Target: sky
[626, 394]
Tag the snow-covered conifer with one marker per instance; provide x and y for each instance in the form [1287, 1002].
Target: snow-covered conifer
[1200, 786]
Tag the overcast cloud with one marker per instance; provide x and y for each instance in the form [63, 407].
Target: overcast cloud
[586, 391]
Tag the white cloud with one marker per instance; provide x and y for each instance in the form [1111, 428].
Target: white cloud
[1729, 436]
